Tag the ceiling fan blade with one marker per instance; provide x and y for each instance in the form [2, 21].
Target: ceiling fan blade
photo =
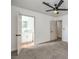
[63, 9]
[48, 4]
[59, 4]
[49, 10]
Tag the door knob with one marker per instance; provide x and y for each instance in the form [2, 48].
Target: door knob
[18, 34]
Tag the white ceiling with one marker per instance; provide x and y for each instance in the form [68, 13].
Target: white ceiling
[37, 5]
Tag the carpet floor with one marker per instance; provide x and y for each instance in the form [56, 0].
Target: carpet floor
[53, 50]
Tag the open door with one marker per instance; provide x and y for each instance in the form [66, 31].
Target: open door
[53, 30]
[59, 28]
[25, 32]
[19, 33]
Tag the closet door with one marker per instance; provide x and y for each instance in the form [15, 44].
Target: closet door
[53, 30]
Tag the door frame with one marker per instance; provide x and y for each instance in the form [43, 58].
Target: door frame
[56, 22]
[34, 40]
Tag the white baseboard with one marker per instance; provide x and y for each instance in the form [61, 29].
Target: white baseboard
[13, 49]
[65, 40]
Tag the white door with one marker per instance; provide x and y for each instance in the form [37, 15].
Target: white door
[25, 31]
[53, 30]
[19, 33]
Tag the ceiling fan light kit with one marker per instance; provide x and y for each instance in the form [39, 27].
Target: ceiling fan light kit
[56, 8]
[55, 12]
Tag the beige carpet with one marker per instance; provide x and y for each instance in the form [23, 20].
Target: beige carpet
[53, 50]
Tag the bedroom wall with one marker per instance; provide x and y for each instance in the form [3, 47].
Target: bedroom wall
[42, 25]
[65, 28]
[64, 19]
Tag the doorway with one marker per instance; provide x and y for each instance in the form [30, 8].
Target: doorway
[25, 32]
[53, 30]
[59, 29]
[27, 29]
[56, 30]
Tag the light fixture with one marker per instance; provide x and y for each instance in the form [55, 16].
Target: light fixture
[56, 12]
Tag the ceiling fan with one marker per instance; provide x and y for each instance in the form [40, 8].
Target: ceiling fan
[56, 8]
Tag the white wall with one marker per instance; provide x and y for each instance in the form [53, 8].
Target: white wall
[42, 25]
[64, 19]
[65, 28]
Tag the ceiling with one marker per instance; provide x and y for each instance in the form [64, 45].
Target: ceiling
[37, 5]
